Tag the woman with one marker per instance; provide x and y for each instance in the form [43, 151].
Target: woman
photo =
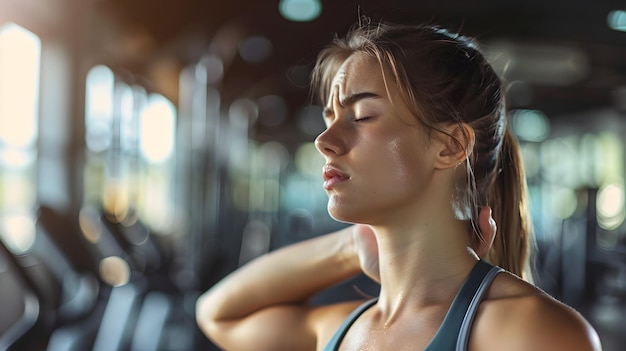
[416, 144]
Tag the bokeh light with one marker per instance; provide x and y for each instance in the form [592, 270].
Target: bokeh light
[310, 120]
[272, 110]
[530, 125]
[20, 52]
[617, 20]
[18, 231]
[157, 129]
[114, 271]
[610, 206]
[99, 108]
[255, 49]
[300, 10]
[90, 224]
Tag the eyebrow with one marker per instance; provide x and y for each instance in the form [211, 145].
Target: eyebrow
[351, 100]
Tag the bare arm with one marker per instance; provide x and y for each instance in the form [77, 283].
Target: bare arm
[560, 327]
[517, 316]
[262, 305]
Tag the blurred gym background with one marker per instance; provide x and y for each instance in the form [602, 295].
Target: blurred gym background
[149, 147]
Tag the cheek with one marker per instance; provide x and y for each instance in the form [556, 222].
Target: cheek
[404, 159]
[398, 163]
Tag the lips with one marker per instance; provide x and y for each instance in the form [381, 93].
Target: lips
[333, 176]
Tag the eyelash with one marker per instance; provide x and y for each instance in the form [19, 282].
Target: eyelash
[362, 119]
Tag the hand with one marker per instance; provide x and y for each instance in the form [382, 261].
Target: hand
[488, 228]
[367, 247]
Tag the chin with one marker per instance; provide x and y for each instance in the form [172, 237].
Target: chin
[342, 214]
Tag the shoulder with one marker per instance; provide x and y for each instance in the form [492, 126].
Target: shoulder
[516, 315]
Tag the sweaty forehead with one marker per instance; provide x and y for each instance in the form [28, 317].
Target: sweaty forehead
[358, 73]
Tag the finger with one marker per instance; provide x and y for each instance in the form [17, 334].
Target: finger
[488, 229]
[485, 222]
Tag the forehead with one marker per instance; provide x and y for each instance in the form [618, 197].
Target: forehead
[359, 73]
[363, 75]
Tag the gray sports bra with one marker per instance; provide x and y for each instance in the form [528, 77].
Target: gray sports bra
[453, 334]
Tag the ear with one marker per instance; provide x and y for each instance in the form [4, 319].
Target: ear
[454, 144]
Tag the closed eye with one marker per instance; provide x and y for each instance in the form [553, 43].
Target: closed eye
[363, 119]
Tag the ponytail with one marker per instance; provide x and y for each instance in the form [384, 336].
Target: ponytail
[509, 201]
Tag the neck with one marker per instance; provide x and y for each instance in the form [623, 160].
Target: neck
[422, 265]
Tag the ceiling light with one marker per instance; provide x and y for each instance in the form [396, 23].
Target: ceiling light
[300, 10]
[617, 20]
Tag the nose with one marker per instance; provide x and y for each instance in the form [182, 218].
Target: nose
[328, 143]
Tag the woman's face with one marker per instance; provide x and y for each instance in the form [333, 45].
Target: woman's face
[377, 157]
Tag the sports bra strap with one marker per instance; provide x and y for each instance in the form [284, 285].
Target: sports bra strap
[470, 314]
[335, 340]
[453, 334]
